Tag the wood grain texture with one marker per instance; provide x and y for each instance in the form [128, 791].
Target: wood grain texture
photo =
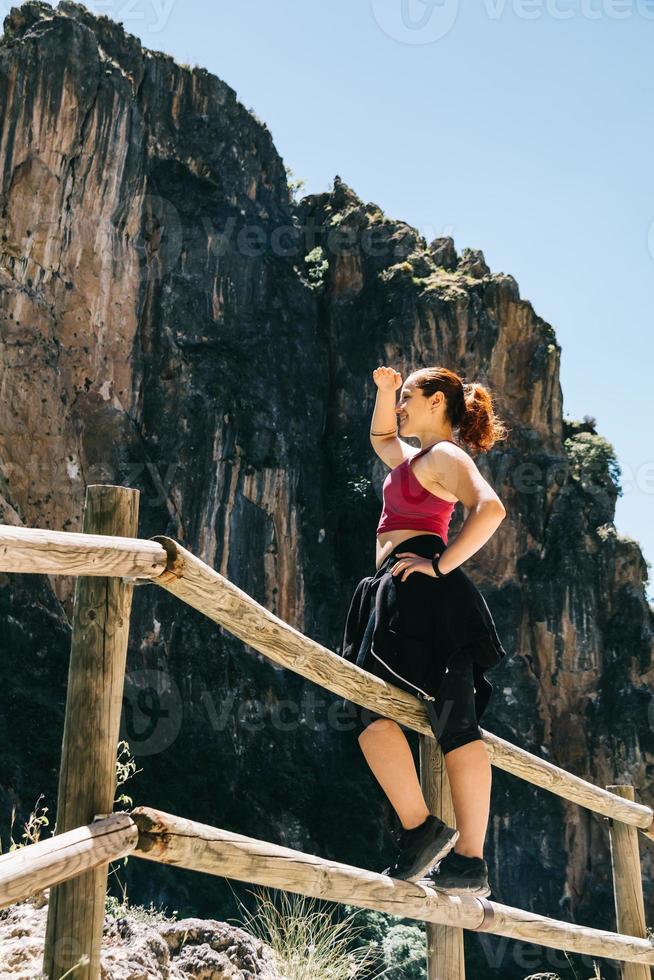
[445, 951]
[188, 844]
[34, 867]
[628, 885]
[87, 778]
[39, 551]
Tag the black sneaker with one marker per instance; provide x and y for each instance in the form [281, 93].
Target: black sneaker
[420, 847]
[458, 874]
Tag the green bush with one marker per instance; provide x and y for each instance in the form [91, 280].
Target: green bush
[405, 953]
[593, 461]
[317, 266]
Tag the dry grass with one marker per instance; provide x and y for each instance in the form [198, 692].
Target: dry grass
[305, 940]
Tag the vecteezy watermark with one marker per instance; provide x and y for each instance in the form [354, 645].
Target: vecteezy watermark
[155, 480]
[529, 956]
[415, 21]
[426, 21]
[567, 9]
[155, 250]
[152, 711]
[153, 15]
[311, 711]
[147, 15]
[526, 477]
[286, 715]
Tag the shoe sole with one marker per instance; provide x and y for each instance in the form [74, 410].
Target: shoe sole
[441, 849]
[479, 890]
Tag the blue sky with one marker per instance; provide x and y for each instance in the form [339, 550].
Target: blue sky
[523, 128]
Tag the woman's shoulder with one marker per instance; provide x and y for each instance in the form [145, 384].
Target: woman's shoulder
[443, 462]
[446, 451]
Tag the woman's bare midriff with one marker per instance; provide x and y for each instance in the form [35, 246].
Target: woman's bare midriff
[388, 540]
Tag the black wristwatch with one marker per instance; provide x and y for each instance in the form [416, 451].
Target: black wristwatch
[434, 565]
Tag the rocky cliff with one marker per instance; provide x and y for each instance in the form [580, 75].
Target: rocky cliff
[172, 319]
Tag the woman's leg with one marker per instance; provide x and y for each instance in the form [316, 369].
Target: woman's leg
[466, 757]
[469, 774]
[388, 754]
[382, 741]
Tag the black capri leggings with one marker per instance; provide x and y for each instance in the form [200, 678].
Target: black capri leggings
[452, 715]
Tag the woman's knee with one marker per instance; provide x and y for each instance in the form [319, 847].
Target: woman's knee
[378, 725]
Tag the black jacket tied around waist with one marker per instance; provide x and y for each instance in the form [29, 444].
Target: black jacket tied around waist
[456, 622]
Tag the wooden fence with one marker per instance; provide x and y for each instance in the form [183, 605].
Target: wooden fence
[108, 560]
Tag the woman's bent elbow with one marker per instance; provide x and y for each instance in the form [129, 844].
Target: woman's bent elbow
[498, 508]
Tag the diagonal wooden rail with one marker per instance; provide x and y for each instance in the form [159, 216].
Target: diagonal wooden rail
[153, 835]
[166, 563]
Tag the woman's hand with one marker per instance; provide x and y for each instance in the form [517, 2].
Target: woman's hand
[410, 562]
[387, 378]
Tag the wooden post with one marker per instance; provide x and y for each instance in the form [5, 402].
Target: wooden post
[445, 953]
[87, 778]
[627, 884]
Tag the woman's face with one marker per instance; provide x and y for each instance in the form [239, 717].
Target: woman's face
[414, 411]
[411, 409]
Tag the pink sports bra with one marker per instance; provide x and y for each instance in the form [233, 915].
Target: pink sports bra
[408, 506]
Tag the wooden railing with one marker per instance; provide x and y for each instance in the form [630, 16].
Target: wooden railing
[108, 560]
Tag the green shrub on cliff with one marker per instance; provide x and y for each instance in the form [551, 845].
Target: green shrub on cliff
[317, 266]
[593, 462]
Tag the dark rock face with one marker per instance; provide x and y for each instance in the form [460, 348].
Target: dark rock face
[170, 319]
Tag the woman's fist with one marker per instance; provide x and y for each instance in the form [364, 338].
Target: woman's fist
[387, 378]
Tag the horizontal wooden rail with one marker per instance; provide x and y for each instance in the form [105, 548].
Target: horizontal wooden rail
[37, 550]
[32, 868]
[185, 843]
[202, 587]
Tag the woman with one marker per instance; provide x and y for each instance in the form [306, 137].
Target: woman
[421, 623]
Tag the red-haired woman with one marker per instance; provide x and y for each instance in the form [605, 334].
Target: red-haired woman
[422, 624]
